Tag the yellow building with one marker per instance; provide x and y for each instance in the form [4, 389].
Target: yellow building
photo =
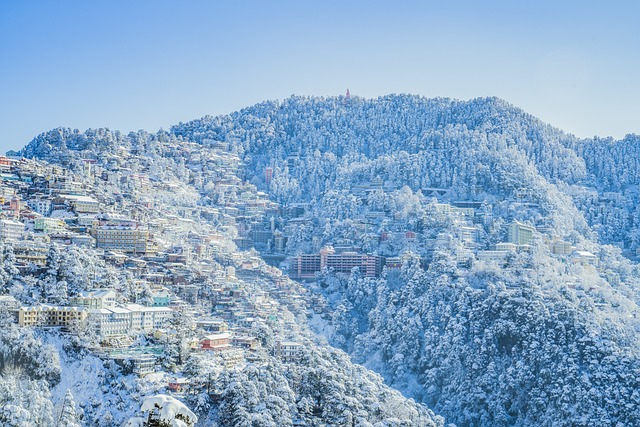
[122, 237]
[82, 204]
[50, 315]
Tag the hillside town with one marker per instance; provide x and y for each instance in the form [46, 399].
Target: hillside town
[183, 261]
[247, 275]
[180, 263]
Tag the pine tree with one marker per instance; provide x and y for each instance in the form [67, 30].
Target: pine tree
[68, 416]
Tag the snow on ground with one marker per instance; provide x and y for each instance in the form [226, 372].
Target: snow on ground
[321, 326]
[99, 385]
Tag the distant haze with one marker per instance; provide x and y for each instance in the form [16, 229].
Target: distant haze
[150, 64]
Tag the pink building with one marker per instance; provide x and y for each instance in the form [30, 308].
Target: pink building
[216, 342]
[307, 265]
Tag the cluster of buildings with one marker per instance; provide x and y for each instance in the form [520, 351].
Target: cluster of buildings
[46, 203]
[464, 234]
[99, 309]
[179, 258]
[519, 239]
[306, 266]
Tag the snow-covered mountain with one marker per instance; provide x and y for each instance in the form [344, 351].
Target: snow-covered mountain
[539, 340]
[481, 324]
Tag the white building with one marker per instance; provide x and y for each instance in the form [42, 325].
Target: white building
[41, 206]
[467, 235]
[82, 204]
[83, 240]
[506, 247]
[289, 351]
[560, 247]
[492, 256]
[86, 220]
[584, 258]
[132, 317]
[110, 321]
[149, 318]
[102, 298]
[11, 230]
[47, 225]
[519, 233]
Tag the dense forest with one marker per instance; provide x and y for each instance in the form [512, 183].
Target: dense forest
[532, 342]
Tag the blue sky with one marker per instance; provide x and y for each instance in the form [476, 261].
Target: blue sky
[132, 65]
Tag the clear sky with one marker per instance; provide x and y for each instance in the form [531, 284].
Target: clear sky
[133, 65]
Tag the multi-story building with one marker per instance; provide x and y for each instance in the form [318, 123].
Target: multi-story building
[149, 318]
[492, 256]
[129, 238]
[288, 351]
[82, 204]
[467, 235]
[519, 233]
[40, 205]
[369, 265]
[27, 252]
[47, 225]
[102, 298]
[67, 187]
[160, 299]
[248, 342]
[86, 220]
[560, 247]
[141, 365]
[110, 321]
[394, 263]
[6, 163]
[306, 265]
[584, 258]
[50, 315]
[506, 247]
[83, 240]
[217, 342]
[131, 317]
[11, 230]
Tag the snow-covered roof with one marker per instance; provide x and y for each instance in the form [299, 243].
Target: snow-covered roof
[169, 408]
[100, 293]
[79, 198]
[220, 336]
[583, 254]
[136, 308]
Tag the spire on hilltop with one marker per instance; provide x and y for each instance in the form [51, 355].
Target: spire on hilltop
[348, 95]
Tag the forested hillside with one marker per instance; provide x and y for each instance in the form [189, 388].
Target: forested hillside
[482, 325]
[539, 339]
